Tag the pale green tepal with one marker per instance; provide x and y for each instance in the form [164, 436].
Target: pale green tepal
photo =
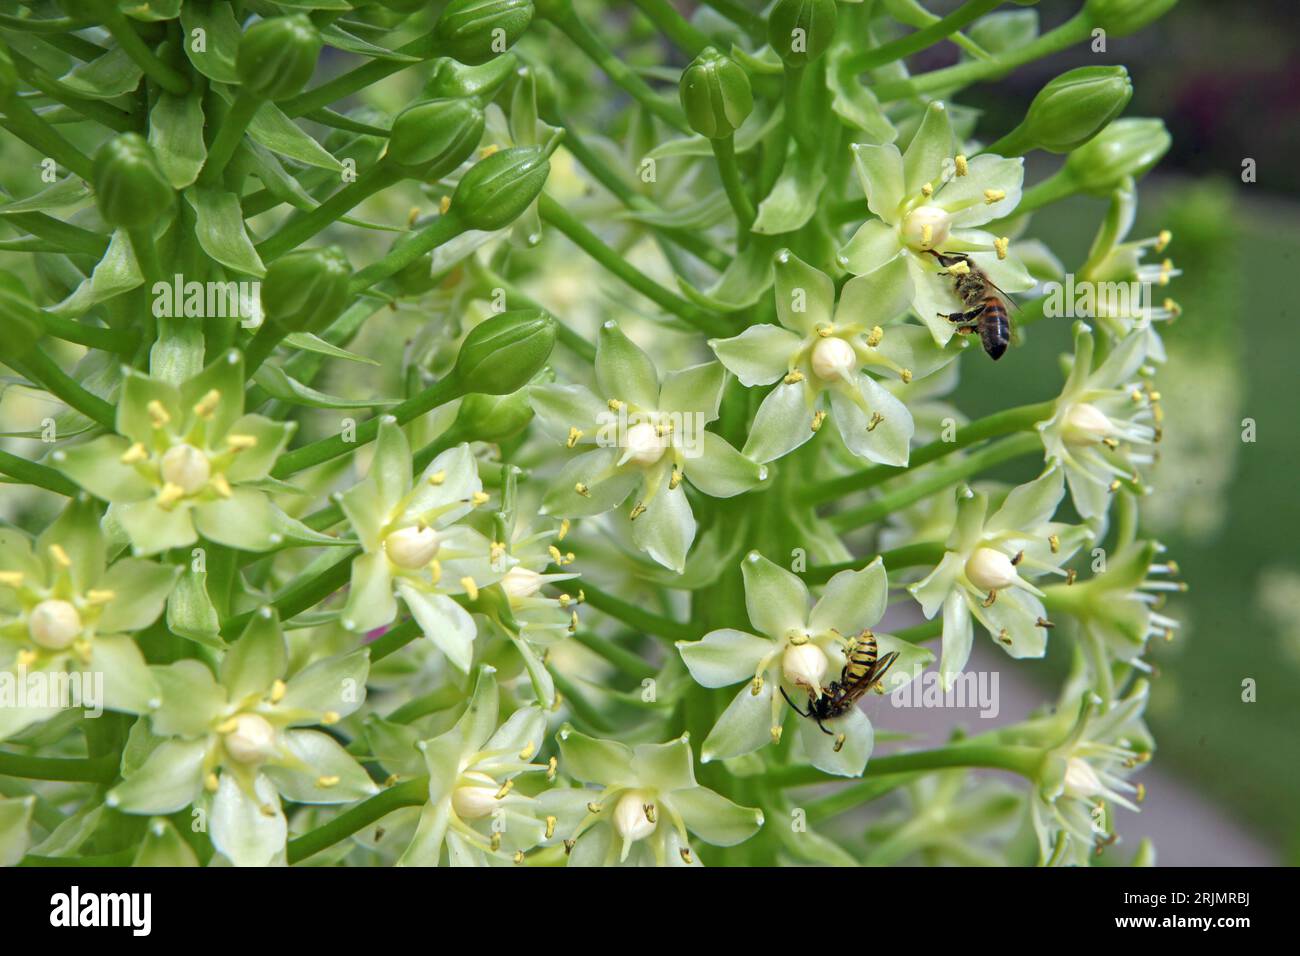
[800, 651]
[987, 568]
[414, 546]
[930, 199]
[646, 809]
[821, 353]
[186, 461]
[648, 435]
[64, 608]
[234, 746]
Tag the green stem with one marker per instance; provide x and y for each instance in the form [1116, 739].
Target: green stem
[629, 663]
[1005, 422]
[909, 556]
[854, 796]
[301, 596]
[674, 26]
[354, 81]
[394, 639]
[1067, 34]
[301, 228]
[71, 239]
[921, 39]
[937, 480]
[1015, 143]
[55, 381]
[40, 136]
[229, 134]
[581, 707]
[31, 473]
[408, 793]
[590, 243]
[440, 231]
[1025, 761]
[594, 47]
[489, 280]
[72, 769]
[735, 11]
[921, 632]
[638, 617]
[124, 33]
[724, 151]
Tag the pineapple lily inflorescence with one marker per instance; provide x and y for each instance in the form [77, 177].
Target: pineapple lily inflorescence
[451, 432]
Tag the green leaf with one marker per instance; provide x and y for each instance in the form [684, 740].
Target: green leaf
[105, 77]
[220, 229]
[152, 10]
[283, 386]
[308, 342]
[116, 272]
[278, 133]
[176, 135]
[221, 35]
[793, 198]
[190, 612]
[66, 193]
[15, 818]
[340, 39]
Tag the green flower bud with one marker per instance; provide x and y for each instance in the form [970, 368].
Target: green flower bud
[306, 290]
[801, 30]
[493, 418]
[1076, 106]
[1127, 147]
[715, 94]
[496, 191]
[474, 31]
[278, 56]
[20, 324]
[130, 186]
[431, 139]
[1121, 17]
[500, 355]
[453, 80]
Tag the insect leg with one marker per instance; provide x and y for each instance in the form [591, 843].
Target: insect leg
[792, 705]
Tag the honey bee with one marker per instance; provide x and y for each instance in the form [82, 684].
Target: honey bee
[985, 311]
[863, 670]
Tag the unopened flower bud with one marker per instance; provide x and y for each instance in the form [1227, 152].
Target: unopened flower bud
[277, 57]
[630, 819]
[477, 799]
[520, 583]
[431, 139]
[186, 467]
[927, 227]
[804, 665]
[801, 30]
[454, 80]
[1122, 17]
[991, 570]
[474, 31]
[130, 187]
[1086, 424]
[716, 95]
[413, 547]
[252, 739]
[1127, 147]
[1081, 780]
[503, 353]
[54, 624]
[1076, 106]
[493, 418]
[497, 190]
[306, 290]
[833, 358]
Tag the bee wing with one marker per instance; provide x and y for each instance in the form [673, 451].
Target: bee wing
[877, 673]
[1002, 292]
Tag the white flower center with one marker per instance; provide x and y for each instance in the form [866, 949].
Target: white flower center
[644, 445]
[520, 583]
[1086, 424]
[54, 624]
[927, 227]
[630, 818]
[413, 547]
[833, 358]
[804, 665]
[186, 467]
[991, 570]
[1081, 780]
[252, 740]
[475, 800]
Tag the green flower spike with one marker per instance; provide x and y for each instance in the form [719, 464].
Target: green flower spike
[823, 348]
[414, 547]
[647, 807]
[646, 434]
[986, 569]
[185, 462]
[62, 607]
[798, 651]
[1102, 427]
[234, 745]
[929, 199]
[474, 813]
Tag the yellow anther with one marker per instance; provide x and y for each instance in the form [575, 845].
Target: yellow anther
[228, 726]
[1135, 395]
[927, 190]
[991, 599]
[496, 551]
[637, 511]
[60, 556]
[528, 751]
[875, 336]
[495, 842]
[206, 405]
[651, 814]
[994, 195]
[594, 807]
[564, 529]
[99, 596]
[793, 377]
[1163, 239]
[825, 331]
[444, 204]
[550, 827]
[1000, 246]
[927, 234]
[1166, 268]
[479, 498]
[169, 494]
[575, 435]
[551, 766]
[488, 150]
[1005, 637]
[157, 414]
[278, 689]
[518, 857]
[1173, 308]
[906, 376]
[776, 733]
[412, 216]
[330, 717]
[505, 788]
[556, 556]
[582, 489]
[818, 418]
[568, 846]
[241, 442]
[1071, 576]
[471, 588]
[1110, 443]
[221, 486]
[686, 855]
[876, 419]
[211, 783]
[564, 600]
[1115, 486]
[1054, 542]
[614, 405]
[437, 478]
[756, 685]
[26, 658]
[960, 162]
[839, 742]
[11, 579]
[1141, 794]
[328, 781]
[435, 570]
[675, 479]
[134, 454]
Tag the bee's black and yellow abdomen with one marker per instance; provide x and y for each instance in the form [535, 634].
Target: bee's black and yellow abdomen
[995, 327]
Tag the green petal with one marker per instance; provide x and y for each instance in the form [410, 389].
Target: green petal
[724, 656]
[852, 601]
[457, 482]
[133, 418]
[776, 600]
[321, 756]
[164, 846]
[958, 635]
[745, 726]
[984, 172]
[929, 149]
[593, 760]
[1029, 506]
[880, 171]
[332, 684]
[805, 297]
[128, 684]
[153, 529]
[562, 407]
[140, 590]
[370, 598]
[1012, 622]
[240, 826]
[244, 521]
[872, 246]
[722, 472]
[15, 818]
[479, 721]
[389, 477]
[887, 441]
[933, 299]
[224, 375]
[425, 848]
[715, 819]
[783, 423]
[819, 747]
[911, 662]
[607, 486]
[96, 466]
[191, 699]
[257, 660]
[758, 356]
[444, 622]
[255, 463]
[170, 779]
[876, 297]
[932, 590]
[623, 370]
[76, 530]
[523, 732]
[694, 391]
[665, 767]
[666, 529]
[911, 347]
